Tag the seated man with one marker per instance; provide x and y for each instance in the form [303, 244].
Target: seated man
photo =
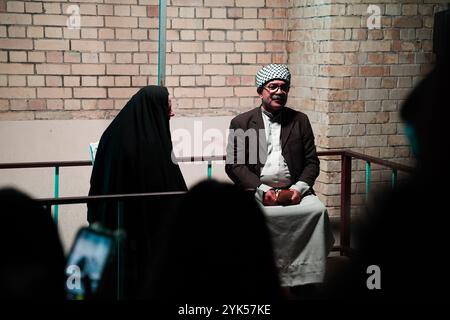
[271, 149]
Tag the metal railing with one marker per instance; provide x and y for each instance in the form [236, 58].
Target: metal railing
[346, 157]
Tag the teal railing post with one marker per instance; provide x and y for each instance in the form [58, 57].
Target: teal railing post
[394, 178]
[120, 253]
[209, 169]
[368, 177]
[162, 42]
[56, 193]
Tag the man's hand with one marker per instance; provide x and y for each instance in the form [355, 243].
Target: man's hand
[296, 197]
[270, 198]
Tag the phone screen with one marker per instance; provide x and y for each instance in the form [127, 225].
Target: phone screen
[86, 262]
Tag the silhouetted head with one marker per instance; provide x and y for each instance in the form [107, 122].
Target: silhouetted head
[32, 263]
[424, 113]
[219, 247]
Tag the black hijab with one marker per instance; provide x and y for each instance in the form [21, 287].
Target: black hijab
[135, 156]
[135, 152]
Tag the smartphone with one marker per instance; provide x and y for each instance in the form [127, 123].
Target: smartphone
[86, 262]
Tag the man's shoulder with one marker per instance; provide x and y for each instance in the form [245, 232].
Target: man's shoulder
[246, 115]
[298, 115]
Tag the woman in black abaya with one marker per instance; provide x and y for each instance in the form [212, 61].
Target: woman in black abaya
[135, 156]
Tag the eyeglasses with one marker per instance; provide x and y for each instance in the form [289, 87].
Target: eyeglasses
[272, 88]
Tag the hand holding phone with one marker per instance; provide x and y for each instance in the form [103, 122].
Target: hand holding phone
[86, 262]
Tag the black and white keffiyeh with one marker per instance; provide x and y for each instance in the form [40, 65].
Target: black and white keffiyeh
[272, 72]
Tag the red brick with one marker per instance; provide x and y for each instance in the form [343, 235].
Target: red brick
[55, 104]
[122, 10]
[250, 3]
[54, 57]
[246, 70]
[31, 7]
[372, 71]
[35, 32]
[150, 23]
[275, 24]
[188, 24]
[53, 81]
[219, 47]
[36, 81]
[17, 56]
[54, 92]
[339, 46]
[203, 81]
[72, 104]
[248, 81]
[218, 24]
[408, 22]
[89, 57]
[148, 46]
[51, 45]
[212, 69]
[390, 58]
[234, 12]
[121, 46]
[17, 92]
[375, 58]
[219, 3]
[265, 13]
[48, 68]
[187, 47]
[120, 22]
[16, 44]
[123, 34]
[106, 33]
[189, 93]
[49, 20]
[245, 91]
[16, 32]
[88, 69]
[102, 104]
[137, 34]
[372, 45]
[88, 45]
[218, 92]
[126, 93]
[12, 18]
[71, 33]
[122, 69]
[18, 104]
[12, 116]
[89, 93]
[233, 80]
[341, 71]
[16, 68]
[275, 47]
[153, 11]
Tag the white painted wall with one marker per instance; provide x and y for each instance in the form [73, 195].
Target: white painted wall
[68, 140]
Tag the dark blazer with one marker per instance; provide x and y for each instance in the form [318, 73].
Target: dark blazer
[297, 144]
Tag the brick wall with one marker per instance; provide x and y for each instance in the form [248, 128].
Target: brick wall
[351, 80]
[48, 71]
[214, 48]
